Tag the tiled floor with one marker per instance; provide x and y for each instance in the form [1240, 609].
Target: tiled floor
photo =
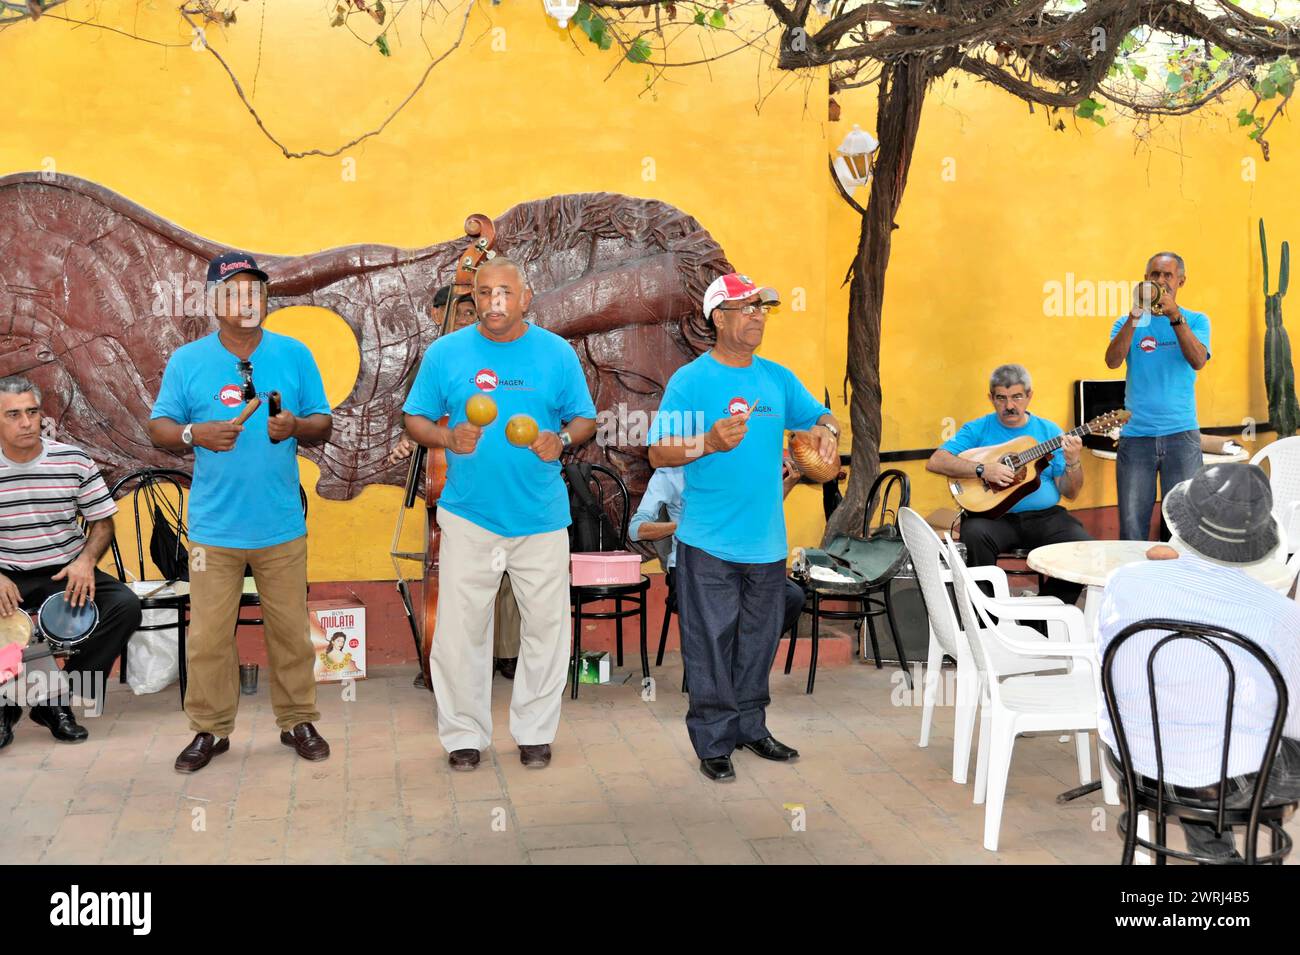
[623, 787]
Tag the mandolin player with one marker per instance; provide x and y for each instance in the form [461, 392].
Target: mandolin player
[1036, 519]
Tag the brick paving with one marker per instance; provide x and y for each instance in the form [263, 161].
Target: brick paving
[623, 787]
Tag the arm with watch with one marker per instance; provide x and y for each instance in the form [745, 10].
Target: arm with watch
[551, 444]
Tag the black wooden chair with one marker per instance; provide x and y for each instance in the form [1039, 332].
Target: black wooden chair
[873, 601]
[629, 599]
[1205, 805]
[163, 491]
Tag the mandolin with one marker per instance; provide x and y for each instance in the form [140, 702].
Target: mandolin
[977, 496]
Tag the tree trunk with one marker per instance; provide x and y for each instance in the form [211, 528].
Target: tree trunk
[902, 93]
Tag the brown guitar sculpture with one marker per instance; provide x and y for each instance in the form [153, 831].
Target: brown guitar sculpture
[977, 496]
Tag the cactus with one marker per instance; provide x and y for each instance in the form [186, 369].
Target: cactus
[1279, 373]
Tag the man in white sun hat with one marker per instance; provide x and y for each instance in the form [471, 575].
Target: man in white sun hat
[723, 420]
[1222, 523]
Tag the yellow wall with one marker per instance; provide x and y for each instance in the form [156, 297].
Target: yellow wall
[496, 126]
[998, 205]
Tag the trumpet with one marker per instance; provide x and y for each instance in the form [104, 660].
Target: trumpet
[1147, 295]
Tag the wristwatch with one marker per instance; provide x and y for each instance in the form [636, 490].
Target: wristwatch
[829, 427]
[565, 439]
[979, 471]
[187, 435]
[1178, 321]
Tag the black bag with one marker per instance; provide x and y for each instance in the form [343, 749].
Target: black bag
[165, 548]
[858, 563]
[591, 530]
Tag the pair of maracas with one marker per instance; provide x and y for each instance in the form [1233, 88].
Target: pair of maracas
[521, 429]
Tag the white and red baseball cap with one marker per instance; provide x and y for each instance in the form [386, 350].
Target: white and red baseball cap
[733, 287]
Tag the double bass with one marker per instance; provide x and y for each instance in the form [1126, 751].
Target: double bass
[428, 466]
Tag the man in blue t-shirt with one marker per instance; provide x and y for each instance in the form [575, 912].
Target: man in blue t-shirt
[1036, 519]
[244, 506]
[723, 420]
[504, 508]
[1164, 352]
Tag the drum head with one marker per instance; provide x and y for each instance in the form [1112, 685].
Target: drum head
[15, 628]
[64, 625]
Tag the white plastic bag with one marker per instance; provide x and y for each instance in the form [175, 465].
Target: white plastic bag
[152, 656]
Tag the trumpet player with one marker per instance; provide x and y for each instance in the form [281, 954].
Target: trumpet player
[1165, 345]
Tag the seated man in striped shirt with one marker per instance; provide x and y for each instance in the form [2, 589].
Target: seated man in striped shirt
[1222, 521]
[44, 485]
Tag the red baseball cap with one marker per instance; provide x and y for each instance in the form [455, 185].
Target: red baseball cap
[733, 287]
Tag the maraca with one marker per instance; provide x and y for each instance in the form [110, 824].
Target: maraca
[521, 430]
[481, 410]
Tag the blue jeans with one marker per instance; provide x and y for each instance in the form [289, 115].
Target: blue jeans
[1175, 457]
[731, 618]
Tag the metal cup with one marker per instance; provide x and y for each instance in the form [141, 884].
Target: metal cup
[248, 678]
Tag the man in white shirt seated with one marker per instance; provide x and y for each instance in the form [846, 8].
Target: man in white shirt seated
[1223, 520]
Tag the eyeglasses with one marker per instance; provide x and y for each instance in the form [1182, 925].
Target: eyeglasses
[746, 310]
[1009, 399]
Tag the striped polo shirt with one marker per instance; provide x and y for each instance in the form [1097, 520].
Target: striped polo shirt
[1192, 683]
[39, 503]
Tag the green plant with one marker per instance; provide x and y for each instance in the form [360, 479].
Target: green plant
[1279, 373]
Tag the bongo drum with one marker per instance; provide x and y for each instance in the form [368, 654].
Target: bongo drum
[15, 634]
[64, 626]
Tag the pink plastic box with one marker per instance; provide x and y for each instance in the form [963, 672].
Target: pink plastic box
[11, 661]
[605, 568]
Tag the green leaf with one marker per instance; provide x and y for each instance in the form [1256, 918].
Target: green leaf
[1174, 82]
[717, 19]
[382, 44]
[1127, 44]
[1088, 108]
[1287, 86]
[1278, 72]
[1245, 117]
[1138, 70]
[1266, 89]
[583, 14]
[699, 18]
[1099, 119]
[639, 52]
[1254, 133]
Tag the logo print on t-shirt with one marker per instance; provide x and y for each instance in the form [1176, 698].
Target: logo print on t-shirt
[1148, 344]
[486, 380]
[231, 395]
[737, 406]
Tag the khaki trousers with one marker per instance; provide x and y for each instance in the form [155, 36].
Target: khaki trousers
[216, 584]
[472, 561]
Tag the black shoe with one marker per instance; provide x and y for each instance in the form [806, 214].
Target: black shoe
[60, 722]
[770, 748]
[505, 666]
[718, 768]
[9, 715]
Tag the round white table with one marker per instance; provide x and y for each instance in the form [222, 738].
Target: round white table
[1208, 457]
[1092, 562]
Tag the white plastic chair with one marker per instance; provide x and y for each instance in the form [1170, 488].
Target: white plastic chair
[948, 639]
[1013, 703]
[1283, 457]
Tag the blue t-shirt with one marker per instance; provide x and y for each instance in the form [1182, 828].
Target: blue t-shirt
[989, 430]
[733, 507]
[247, 497]
[504, 489]
[1161, 386]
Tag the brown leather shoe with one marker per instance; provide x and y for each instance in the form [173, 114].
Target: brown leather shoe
[535, 757]
[200, 752]
[463, 760]
[309, 744]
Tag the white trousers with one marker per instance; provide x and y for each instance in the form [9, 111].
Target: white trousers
[471, 562]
